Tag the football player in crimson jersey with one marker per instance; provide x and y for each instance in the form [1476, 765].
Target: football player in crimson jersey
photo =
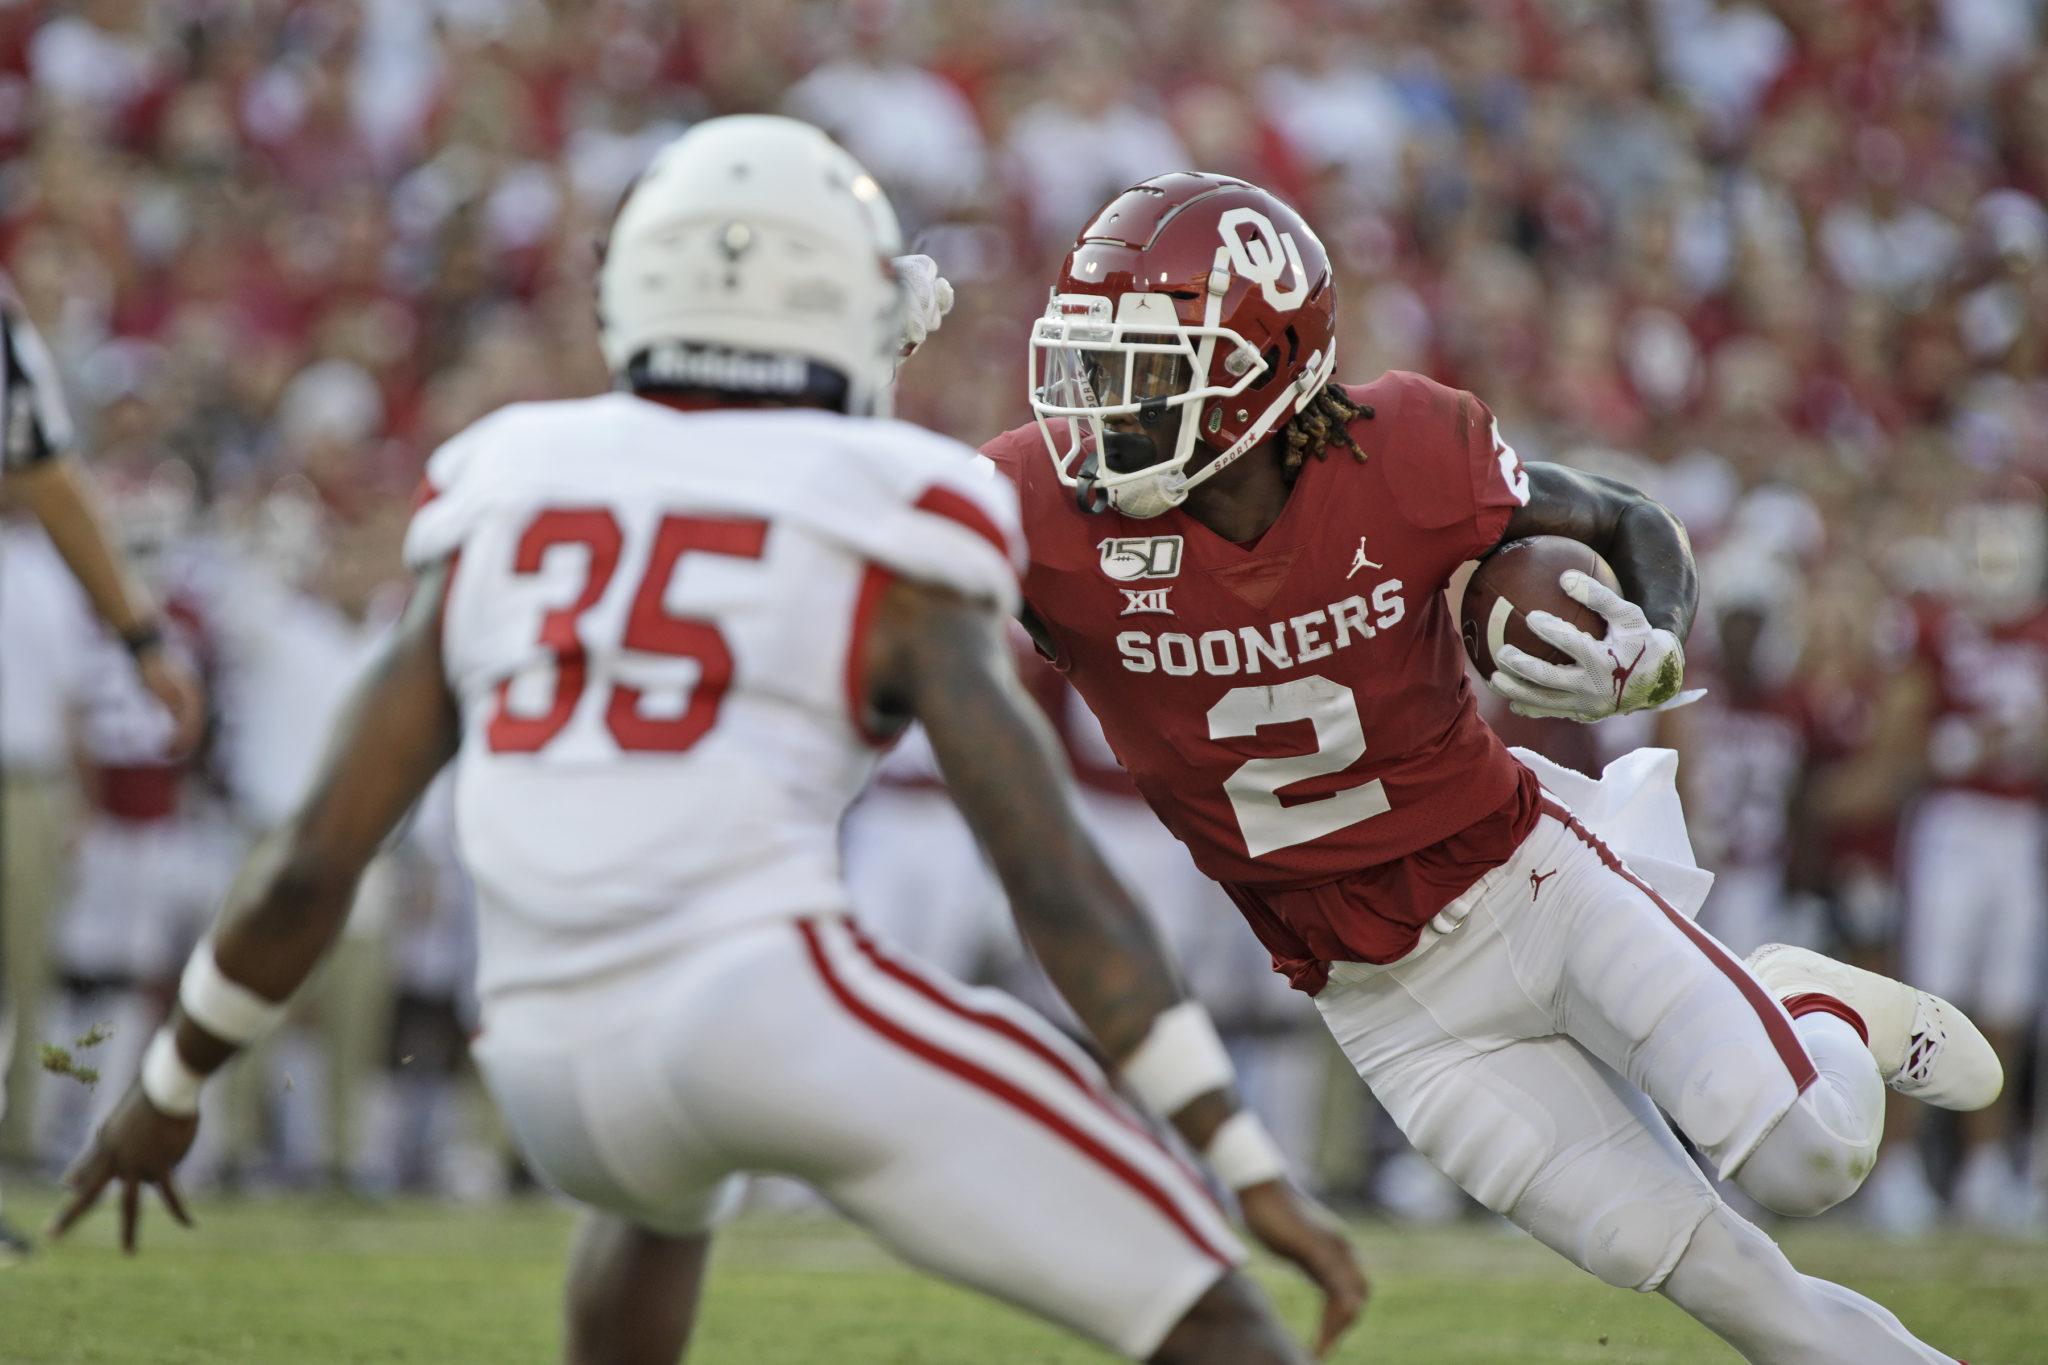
[1240, 564]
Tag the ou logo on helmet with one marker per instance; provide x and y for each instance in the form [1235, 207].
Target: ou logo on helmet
[1263, 254]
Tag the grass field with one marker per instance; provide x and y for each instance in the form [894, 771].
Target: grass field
[315, 1281]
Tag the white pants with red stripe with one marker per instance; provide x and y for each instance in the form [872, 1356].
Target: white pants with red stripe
[1527, 1051]
[960, 1128]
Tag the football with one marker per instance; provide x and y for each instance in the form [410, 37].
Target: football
[1520, 577]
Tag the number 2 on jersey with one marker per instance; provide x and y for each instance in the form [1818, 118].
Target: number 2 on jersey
[650, 629]
[1254, 789]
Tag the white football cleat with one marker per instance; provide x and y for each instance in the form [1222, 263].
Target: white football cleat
[1924, 1046]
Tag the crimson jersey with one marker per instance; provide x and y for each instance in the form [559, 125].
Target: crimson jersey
[1745, 762]
[1991, 685]
[1296, 710]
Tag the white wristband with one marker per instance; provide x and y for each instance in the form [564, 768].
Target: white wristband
[1180, 1058]
[1243, 1153]
[227, 1009]
[169, 1083]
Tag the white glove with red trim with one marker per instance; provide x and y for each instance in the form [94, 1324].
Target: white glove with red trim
[1636, 667]
[927, 298]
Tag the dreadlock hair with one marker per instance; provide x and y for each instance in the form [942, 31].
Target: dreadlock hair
[1323, 422]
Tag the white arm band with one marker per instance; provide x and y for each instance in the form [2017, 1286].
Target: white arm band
[1243, 1153]
[171, 1085]
[1180, 1058]
[227, 1009]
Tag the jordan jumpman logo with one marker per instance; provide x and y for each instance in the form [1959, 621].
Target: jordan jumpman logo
[1359, 561]
[1623, 672]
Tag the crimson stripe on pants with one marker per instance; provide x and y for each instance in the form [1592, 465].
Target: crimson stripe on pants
[1776, 1024]
[909, 976]
[1003, 1090]
[996, 1022]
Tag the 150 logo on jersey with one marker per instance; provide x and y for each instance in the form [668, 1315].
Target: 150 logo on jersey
[1130, 558]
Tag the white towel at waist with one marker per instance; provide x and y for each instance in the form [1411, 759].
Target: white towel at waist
[1633, 808]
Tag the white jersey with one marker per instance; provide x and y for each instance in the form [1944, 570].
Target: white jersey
[652, 628]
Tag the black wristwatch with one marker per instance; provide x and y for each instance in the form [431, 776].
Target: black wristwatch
[142, 639]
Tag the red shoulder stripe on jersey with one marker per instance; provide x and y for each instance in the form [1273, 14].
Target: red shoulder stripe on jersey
[1003, 1090]
[942, 501]
[1775, 1021]
[866, 601]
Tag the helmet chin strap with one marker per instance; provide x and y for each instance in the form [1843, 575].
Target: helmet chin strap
[1088, 494]
[1150, 498]
[1163, 488]
[1306, 385]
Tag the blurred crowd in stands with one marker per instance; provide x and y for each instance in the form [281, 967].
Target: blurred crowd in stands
[1784, 263]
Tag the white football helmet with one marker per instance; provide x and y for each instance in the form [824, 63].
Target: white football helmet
[753, 249]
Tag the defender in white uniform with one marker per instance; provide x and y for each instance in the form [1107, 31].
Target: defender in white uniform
[662, 647]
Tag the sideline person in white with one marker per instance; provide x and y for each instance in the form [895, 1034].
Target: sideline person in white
[661, 647]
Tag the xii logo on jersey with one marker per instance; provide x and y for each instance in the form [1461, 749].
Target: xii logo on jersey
[1131, 558]
[1139, 601]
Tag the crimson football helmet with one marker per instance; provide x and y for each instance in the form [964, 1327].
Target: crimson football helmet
[1193, 292]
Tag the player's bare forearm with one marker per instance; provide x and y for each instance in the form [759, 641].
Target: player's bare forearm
[59, 493]
[1640, 538]
[399, 729]
[944, 660]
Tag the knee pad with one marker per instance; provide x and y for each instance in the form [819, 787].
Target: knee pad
[1791, 1192]
[1635, 1244]
[1804, 1166]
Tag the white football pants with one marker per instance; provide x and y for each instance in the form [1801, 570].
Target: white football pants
[1528, 1051]
[961, 1129]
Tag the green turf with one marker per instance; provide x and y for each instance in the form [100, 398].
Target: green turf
[313, 1281]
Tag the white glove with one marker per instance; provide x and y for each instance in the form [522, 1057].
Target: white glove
[927, 298]
[1637, 666]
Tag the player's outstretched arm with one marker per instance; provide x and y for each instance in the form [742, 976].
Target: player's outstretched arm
[943, 660]
[1640, 661]
[400, 728]
[938, 658]
[59, 492]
